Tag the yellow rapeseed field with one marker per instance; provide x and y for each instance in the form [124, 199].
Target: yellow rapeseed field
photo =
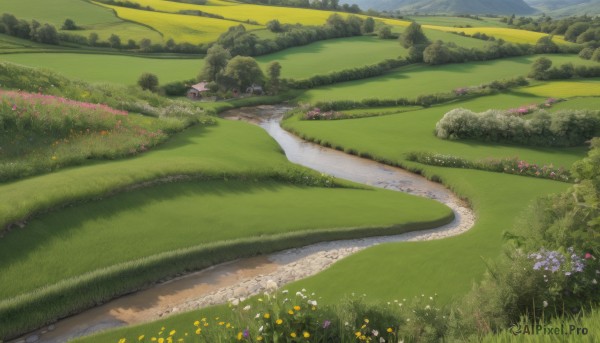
[182, 28]
[509, 35]
[566, 89]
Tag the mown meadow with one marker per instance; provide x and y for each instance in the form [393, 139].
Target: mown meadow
[155, 187]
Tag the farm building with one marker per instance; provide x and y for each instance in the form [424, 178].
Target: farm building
[195, 92]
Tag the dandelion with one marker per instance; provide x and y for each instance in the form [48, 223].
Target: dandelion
[367, 320]
[239, 336]
[122, 340]
[293, 335]
[290, 312]
[141, 338]
[197, 323]
[279, 321]
[198, 331]
[267, 316]
[389, 330]
[297, 308]
[172, 332]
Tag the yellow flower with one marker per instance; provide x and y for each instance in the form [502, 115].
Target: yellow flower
[357, 334]
[390, 330]
[259, 338]
[198, 331]
[228, 325]
[291, 312]
[172, 332]
[141, 338]
[297, 308]
[367, 320]
[363, 326]
[162, 329]
[205, 324]
[203, 319]
[267, 316]
[221, 323]
[314, 308]
[293, 335]
[239, 336]
[197, 323]
[54, 159]
[278, 321]
[153, 339]
[306, 334]
[161, 340]
[122, 340]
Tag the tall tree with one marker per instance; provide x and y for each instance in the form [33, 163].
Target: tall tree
[413, 35]
[244, 70]
[214, 63]
[273, 73]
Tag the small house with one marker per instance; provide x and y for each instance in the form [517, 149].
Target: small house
[254, 89]
[195, 92]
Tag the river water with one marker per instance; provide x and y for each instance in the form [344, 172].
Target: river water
[237, 280]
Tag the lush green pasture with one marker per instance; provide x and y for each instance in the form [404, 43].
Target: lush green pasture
[333, 55]
[414, 80]
[92, 17]
[150, 221]
[110, 68]
[457, 21]
[398, 134]
[587, 103]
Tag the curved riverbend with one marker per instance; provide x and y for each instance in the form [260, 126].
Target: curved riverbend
[240, 279]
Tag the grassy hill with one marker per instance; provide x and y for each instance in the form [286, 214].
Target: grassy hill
[567, 7]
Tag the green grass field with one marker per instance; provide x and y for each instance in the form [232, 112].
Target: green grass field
[566, 89]
[300, 62]
[91, 17]
[110, 68]
[414, 80]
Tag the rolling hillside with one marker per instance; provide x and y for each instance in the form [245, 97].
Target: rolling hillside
[567, 7]
[449, 6]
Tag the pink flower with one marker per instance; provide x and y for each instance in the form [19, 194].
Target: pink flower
[14, 108]
[588, 256]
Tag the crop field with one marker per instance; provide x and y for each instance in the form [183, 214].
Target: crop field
[414, 80]
[457, 21]
[509, 35]
[110, 68]
[92, 17]
[566, 89]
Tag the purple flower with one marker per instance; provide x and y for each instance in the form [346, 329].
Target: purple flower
[326, 324]
[246, 333]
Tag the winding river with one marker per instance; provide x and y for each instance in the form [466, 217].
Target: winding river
[240, 279]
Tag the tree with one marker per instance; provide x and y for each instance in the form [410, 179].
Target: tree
[148, 81]
[384, 32]
[273, 73]
[47, 34]
[214, 63]
[145, 44]
[539, 69]
[596, 55]
[69, 24]
[274, 26]
[415, 53]
[413, 35]
[244, 70]
[436, 53]
[575, 30]
[114, 41]
[545, 45]
[93, 38]
[368, 25]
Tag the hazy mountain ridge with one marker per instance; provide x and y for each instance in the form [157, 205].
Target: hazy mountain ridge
[448, 6]
[567, 7]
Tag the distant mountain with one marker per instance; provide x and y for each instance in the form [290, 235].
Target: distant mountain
[567, 7]
[447, 6]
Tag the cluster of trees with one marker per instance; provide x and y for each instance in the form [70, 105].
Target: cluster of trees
[127, 4]
[590, 54]
[582, 29]
[563, 128]
[225, 72]
[33, 30]
[542, 69]
[241, 42]
[333, 5]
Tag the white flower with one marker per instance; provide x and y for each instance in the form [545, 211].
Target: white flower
[430, 298]
[303, 290]
[298, 294]
[261, 328]
[346, 324]
[257, 316]
[235, 302]
[247, 307]
[545, 304]
[594, 282]
[427, 307]
[381, 340]
[285, 291]
[375, 333]
[312, 302]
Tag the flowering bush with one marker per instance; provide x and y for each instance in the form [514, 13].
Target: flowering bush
[317, 114]
[528, 109]
[506, 165]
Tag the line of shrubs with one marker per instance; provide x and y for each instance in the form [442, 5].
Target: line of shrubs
[561, 129]
[347, 74]
[425, 100]
[542, 69]
[505, 165]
